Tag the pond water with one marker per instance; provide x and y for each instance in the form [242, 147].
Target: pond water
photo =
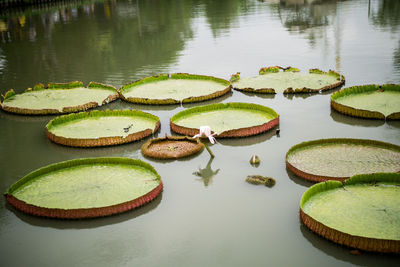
[213, 218]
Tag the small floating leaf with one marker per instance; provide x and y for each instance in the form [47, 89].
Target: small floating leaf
[172, 147]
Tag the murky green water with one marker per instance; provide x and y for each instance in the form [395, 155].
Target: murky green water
[217, 219]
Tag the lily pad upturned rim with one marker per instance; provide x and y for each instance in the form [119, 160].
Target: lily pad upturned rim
[241, 132]
[342, 238]
[102, 141]
[168, 101]
[321, 178]
[82, 213]
[362, 113]
[57, 86]
[184, 153]
[274, 69]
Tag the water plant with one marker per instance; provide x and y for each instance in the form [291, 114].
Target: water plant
[174, 89]
[369, 101]
[86, 188]
[362, 212]
[225, 119]
[101, 128]
[58, 98]
[171, 147]
[288, 80]
[341, 158]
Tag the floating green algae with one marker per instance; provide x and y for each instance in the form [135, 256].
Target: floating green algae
[221, 120]
[366, 209]
[344, 158]
[281, 81]
[88, 185]
[58, 97]
[102, 126]
[174, 88]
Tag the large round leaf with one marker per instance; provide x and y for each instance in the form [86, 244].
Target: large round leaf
[339, 159]
[59, 98]
[363, 213]
[226, 120]
[369, 101]
[101, 128]
[85, 188]
[287, 80]
[174, 88]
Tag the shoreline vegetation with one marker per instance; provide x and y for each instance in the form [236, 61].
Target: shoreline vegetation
[7, 6]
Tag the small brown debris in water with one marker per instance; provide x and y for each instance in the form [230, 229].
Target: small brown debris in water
[259, 179]
[126, 129]
[355, 252]
[255, 160]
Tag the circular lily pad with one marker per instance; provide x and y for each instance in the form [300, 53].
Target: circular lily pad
[362, 213]
[172, 147]
[288, 80]
[174, 88]
[86, 188]
[101, 128]
[369, 101]
[339, 159]
[58, 98]
[226, 120]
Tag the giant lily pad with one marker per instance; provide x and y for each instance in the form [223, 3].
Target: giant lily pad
[172, 147]
[287, 80]
[101, 128]
[174, 88]
[369, 101]
[362, 213]
[226, 120]
[339, 159]
[85, 188]
[59, 98]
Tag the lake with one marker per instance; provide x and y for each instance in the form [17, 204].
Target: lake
[217, 219]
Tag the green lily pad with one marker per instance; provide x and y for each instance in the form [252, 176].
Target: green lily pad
[84, 188]
[369, 101]
[174, 88]
[58, 98]
[226, 120]
[101, 128]
[287, 80]
[339, 159]
[363, 213]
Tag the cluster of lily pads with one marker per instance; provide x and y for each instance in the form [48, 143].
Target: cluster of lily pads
[358, 178]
